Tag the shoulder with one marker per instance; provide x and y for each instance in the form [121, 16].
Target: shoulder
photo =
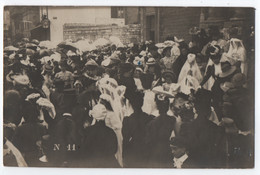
[148, 117]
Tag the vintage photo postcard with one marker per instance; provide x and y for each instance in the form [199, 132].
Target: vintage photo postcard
[129, 87]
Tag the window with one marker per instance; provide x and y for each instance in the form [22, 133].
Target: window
[117, 12]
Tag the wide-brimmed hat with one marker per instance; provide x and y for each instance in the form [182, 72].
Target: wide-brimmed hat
[139, 69]
[213, 50]
[21, 79]
[160, 45]
[168, 73]
[143, 53]
[159, 90]
[91, 62]
[138, 61]
[151, 61]
[35, 41]
[227, 69]
[175, 88]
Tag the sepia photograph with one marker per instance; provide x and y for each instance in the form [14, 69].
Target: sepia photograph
[129, 87]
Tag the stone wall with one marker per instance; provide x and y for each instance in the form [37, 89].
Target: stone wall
[127, 33]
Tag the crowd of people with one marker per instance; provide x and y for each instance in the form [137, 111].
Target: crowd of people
[104, 104]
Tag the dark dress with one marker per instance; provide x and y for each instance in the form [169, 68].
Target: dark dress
[25, 139]
[134, 149]
[99, 147]
[158, 141]
[178, 64]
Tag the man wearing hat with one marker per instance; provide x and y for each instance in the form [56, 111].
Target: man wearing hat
[228, 72]
[180, 154]
[169, 78]
[65, 75]
[125, 77]
[158, 135]
[154, 68]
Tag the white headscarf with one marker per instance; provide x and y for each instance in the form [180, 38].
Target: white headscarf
[237, 51]
[190, 65]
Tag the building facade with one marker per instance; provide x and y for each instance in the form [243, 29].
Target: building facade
[62, 17]
[159, 22]
[21, 20]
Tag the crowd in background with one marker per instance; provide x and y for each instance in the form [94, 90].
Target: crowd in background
[143, 105]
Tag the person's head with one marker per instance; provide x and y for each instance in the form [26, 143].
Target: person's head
[167, 51]
[30, 112]
[214, 33]
[202, 102]
[184, 48]
[138, 72]
[12, 100]
[153, 50]
[162, 103]
[137, 101]
[238, 80]
[227, 109]
[36, 79]
[65, 130]
[178, 147]
[58, 84]
[179, 103]
[151, 68]
[63, 66]
[214, 53]
[169, 77]
[126, 70]
[147, 80]
[48, 69]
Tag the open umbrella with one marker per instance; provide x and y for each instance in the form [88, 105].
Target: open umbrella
[47, 44]
[10, 48]
[45, 52]
[82, 45]
[114, 40]
[68, 45]
[100, 42]
[29, 52]
[31, 46]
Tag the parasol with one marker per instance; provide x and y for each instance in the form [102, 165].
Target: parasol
[68, 45]
[100, 42]
[10, 48]
[47, 44]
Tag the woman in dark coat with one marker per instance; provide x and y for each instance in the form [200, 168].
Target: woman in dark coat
[178, 64]
[99, 143]
[28, 136]
[134, 149]
[158, 135]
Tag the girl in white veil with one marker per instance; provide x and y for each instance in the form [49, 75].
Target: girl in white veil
[237, 52]
[190, 75]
